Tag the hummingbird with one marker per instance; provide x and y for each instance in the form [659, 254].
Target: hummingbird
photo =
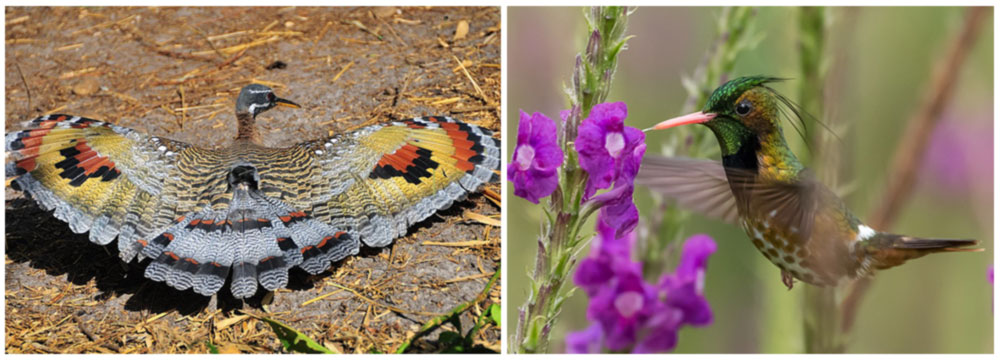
[795, 221]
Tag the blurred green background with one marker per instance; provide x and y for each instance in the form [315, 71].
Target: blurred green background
[940, 303]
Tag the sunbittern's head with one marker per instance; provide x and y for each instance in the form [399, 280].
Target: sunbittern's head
[256, 98]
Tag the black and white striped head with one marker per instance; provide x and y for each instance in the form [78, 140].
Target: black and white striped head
[256, 98]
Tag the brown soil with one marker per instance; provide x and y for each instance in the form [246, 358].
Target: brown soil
[175, 72]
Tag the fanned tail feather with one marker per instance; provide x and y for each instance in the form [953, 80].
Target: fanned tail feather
[255, 240]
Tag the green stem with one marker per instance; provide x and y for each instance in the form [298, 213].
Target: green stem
[821, 313]
[821, 318]
[561, 242]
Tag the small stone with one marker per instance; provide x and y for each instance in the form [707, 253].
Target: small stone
[87, 86]
[461, 30]
[384, 11]
[289, 24]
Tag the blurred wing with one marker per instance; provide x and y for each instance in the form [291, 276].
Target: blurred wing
[697, 185]
[97, 176]
[707, 187]
[379, 180]
[789, 205]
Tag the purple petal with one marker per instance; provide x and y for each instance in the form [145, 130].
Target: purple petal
[694, 256]
[586, 341]
[594, 159]
[532, 184]
[618, 210]
[610, 115]
[690, 302]
[524, 128]
[548, 156]
[662, 334]
[612, 245]
[592, 273]
[633, 159]
[543, 130]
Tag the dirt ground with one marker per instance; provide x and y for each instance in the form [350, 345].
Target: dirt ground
[175, 73]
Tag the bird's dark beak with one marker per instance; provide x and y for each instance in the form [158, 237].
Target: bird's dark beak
[287, 103]
[693, 118]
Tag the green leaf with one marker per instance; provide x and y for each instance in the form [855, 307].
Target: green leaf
[211, 348]
[495, 313]
[293, 340]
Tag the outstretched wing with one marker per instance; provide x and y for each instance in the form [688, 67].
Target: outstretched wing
[248, 211]
[379, 180]
[97, 176]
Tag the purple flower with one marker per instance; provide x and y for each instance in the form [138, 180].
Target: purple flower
[954, 159]
[606, 146]
[622, 308]
[610, 255]
[685, 288]
[627, 312]
[618, 211]
[537, 158]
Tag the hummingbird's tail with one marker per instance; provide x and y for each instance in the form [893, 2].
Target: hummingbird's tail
[884, 250]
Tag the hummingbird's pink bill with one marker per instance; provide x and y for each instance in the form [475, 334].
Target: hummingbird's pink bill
[692, 118]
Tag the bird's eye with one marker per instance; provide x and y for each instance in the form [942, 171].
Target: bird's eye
[744, 108]
[270, 96]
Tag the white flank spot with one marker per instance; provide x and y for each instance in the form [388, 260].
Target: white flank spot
[864, 233]
[170, 153]
[319, 152]
[328, 144]
[161, 148]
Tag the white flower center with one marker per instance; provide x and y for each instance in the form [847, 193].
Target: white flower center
[628, 303]
[614, 143]
[524, 157]
[699, 282]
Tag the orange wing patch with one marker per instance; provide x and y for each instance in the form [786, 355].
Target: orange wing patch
[409, 161]
[82, 163]
[467, 151]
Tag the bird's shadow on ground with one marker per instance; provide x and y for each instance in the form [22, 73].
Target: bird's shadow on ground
[36, 237]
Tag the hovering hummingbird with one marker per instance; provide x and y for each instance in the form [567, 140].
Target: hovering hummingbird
[795, 221]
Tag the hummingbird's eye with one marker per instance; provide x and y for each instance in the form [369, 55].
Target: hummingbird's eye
[744, 107]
